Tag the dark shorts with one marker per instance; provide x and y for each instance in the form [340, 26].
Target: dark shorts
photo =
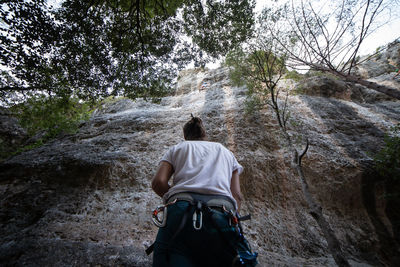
[208, 246]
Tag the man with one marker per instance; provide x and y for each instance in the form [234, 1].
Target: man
[201, 227]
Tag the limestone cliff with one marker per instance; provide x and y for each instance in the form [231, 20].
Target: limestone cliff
[85, 199]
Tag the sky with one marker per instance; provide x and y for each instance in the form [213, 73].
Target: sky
[384, 35]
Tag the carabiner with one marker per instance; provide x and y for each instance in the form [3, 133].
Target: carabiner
[156, 220]
[195, 220]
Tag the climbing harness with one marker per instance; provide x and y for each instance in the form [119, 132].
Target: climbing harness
[202, 202]
[202, 205]
[217, 202]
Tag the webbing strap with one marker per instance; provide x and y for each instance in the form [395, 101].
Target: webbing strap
[150, 249]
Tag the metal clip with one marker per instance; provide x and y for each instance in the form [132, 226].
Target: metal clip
[198, 209]
[195, 220]
[156, 220]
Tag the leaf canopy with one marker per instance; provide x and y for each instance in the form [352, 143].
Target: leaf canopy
[93, 49]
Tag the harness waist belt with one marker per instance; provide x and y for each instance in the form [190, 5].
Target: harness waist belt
[210, 200]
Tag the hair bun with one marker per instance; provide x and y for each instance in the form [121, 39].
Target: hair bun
[194, 129]
[195, 119]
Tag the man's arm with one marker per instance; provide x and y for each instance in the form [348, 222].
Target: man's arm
[235, 188]
[160, 180]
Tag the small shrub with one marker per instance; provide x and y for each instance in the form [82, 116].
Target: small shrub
[253, 104]
[236, 60]
[298, 90]
[53, 115]
[387, 160]
[294, 75]
[45, 118]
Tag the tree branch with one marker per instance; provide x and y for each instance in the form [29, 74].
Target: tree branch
[363, 33]
[304, 152]
[20, 88]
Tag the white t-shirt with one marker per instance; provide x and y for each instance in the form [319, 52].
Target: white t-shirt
[201, 167]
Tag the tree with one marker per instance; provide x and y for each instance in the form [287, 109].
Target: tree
[261, 67]
[97, 48]
[327, 37]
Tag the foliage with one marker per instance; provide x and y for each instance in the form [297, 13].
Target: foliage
[93, 49]
[294, 75]
[387, 164]
[253, 104]
[44, 118]
[254, 68]
[299, 90]
[239, 66]
[50, 116]
[260, 68]
[387, 160]
[220, 25]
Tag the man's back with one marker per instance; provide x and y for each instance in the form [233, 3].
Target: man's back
[201, 167]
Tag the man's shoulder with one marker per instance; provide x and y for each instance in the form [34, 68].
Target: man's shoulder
[218, 146]
[209, 143]
[204, 144]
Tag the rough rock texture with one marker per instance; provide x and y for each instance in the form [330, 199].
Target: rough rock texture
[85, 200]
[380, 68]
[381, 63]
[328, 86]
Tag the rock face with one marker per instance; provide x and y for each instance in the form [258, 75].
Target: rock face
[329, 86]
[381, 63]
[85, 200]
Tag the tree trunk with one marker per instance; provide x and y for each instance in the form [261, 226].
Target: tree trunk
[377, 87]
[392, 92]
[316, 213]
[315, 209]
